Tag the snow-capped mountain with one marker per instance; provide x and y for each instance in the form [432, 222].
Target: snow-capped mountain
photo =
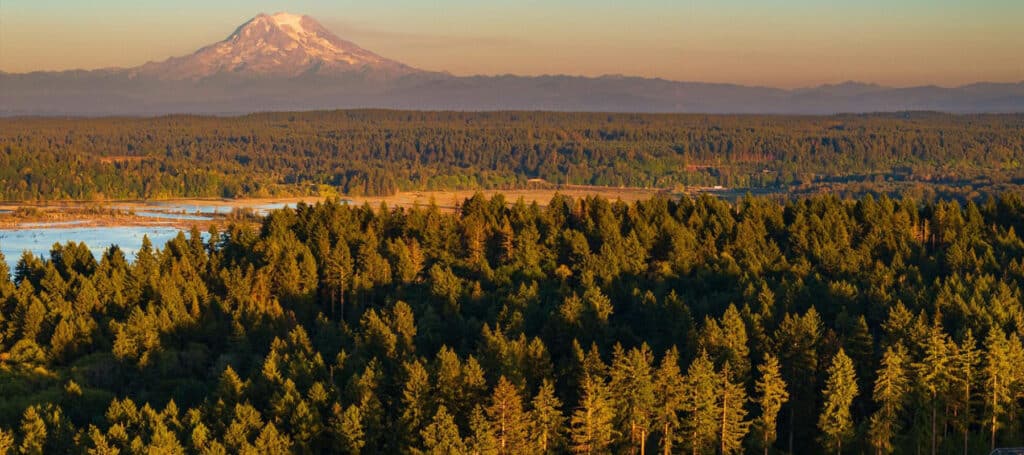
[289, 62]
[281, 44]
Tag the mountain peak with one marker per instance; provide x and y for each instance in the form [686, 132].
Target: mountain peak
[283, 45]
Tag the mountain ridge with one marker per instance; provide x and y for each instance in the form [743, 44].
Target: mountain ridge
[287, 61]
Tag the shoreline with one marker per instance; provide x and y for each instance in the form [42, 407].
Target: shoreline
[185, 213]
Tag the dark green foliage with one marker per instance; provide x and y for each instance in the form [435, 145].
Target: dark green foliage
[589, 326]
[381, 152]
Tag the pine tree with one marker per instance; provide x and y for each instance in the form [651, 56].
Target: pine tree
[546, 419]
[772, 394]
[271, 442]
[416, 401]
[592, 423]
[966, 361]
[703, 416]
[336, 276]
[164, 441]
[482, 439]
[890, 393]
[632, 390]
[836, 421]
[347, 428]
[441, 436]
[933, 374]
[732, 399]
[727, 342]
[507, 418]
[447, 386]
[669, 397]
[796, 342]
[6, 438]
[997, 370]
[33, 432]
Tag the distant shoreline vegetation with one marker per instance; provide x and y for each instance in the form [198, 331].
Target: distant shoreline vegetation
[380, 152]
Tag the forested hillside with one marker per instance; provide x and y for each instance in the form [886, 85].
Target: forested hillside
[588, 326]
[380, 152]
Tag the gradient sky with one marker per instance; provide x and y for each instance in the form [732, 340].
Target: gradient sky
[785, 43]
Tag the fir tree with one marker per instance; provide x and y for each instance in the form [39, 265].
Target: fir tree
[836, 421]
[271, 442]
[997, 369]
[33, 432]
[933, 375]
[416, 401]
[347, 428]
[670, 399]
[966, 361]
[732, 399]
[441, 436]
[890, 393]
[703, 416]
[507, 418]
[6, 438]
[546, 420]
[771, 395]
[632, 390]
[592, 423]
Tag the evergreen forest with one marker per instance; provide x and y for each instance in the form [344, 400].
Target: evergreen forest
[925, 155]
[820, 324]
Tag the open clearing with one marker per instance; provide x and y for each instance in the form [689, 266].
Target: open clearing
[185, 213]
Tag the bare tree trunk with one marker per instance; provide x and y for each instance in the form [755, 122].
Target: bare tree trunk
[667, 443]
[967, 409]
[993, 443]
[791, 429]
[721, 436]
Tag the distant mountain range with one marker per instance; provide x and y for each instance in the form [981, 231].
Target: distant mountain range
[286, 62]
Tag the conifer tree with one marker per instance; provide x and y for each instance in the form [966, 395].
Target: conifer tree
[727, 342]
[271, 442]
[164, 441]
[593, 421]
[797, 341]
[33, 432]
[703, 415]
[965, 362]
[6, 438]
[669, 398]
[336, 275]
[890, 394]
[347, 428]
[732, 399]
[771, 395]
[441, 436]
[933, 374]
[507, 418]
[546, 419]
[632, 390]
[482, 438]
[836, 421]
[416, 401]
[997, 370]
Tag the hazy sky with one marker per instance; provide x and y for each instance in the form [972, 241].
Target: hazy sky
[786, 43]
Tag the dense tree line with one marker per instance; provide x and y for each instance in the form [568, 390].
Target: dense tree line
[666, 326]
[380, 152]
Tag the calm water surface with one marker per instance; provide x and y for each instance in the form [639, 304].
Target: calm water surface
[39, 238]
[98, 239]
